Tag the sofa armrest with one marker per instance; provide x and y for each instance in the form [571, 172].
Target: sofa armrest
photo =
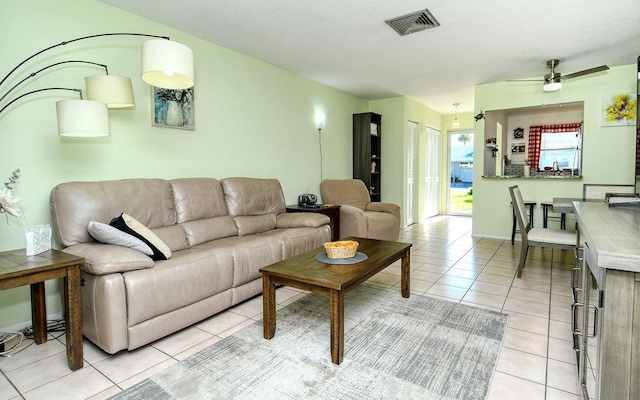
[353, 221]
[103, 259]
[301, 220]
[385, 207]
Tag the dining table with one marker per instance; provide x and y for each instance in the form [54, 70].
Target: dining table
[564, 205]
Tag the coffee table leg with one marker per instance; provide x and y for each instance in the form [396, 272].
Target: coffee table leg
[73, 317]
[268, 306]
[405, 274]
[39, 312]
[336, 303]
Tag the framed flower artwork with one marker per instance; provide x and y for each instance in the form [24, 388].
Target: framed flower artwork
[619, 109]
[173, 108]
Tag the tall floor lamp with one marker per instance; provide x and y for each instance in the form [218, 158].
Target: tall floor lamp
[320, 119]
[165, 64]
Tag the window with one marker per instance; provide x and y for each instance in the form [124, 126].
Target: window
[556, 143]
[558, 147]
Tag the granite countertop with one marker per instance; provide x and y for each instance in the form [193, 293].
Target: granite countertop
[533, 177]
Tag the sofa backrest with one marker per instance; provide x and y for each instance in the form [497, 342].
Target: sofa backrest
[182, 212]
[253, 203]
[201, 210]
[150, 201]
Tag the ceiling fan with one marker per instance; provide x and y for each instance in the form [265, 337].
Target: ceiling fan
[553, 80]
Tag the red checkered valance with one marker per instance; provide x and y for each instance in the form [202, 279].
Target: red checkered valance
[535, 138]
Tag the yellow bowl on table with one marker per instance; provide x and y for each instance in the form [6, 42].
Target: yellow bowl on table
[341, 249]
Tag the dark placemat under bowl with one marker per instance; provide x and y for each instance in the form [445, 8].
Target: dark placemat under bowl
[358, 258]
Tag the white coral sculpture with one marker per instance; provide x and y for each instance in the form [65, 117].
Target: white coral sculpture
[8, 203]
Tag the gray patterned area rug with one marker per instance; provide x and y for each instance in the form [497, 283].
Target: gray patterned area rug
[416, 348]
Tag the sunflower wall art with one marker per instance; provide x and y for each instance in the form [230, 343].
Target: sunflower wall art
[619, 109]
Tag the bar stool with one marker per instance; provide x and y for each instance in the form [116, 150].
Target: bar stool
[514, 229]
[546, 216]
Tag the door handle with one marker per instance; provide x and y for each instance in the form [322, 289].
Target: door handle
[595, 321]
[577, 332]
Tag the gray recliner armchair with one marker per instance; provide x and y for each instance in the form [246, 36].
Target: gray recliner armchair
[358, 215]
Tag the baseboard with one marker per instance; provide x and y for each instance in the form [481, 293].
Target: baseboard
[22, 325]
[494, 237]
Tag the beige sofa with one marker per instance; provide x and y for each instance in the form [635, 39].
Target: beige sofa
[359, 216]
[219, 233]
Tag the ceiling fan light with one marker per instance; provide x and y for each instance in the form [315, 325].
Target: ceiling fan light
[552, 86]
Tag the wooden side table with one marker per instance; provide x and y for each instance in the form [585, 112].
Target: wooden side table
[332, 211]
[18, 269]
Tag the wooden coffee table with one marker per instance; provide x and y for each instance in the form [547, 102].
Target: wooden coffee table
[305, 272]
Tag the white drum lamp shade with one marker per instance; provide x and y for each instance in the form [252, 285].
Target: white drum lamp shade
[82, 118]
[114, 91]
[167, 64]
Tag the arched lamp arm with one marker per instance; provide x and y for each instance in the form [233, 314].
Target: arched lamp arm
[79, 91]
[33, 74]
[76, 40]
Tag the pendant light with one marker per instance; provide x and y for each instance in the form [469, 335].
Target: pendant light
[456, 123]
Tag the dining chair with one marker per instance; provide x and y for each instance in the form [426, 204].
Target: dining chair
[537, 237]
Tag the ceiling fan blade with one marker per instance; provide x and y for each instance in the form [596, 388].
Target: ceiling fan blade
[524, 80]
[585, 72]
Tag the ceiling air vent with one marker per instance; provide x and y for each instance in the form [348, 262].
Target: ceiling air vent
[414, 22]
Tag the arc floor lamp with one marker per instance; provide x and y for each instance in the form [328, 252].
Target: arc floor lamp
[165, 63]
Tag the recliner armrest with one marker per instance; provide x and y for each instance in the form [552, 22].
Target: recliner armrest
[301, 220]
[384, 207]
[353, 221]
[103, 259]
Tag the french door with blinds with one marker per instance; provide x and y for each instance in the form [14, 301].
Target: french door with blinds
[412, 157]
[432, 172]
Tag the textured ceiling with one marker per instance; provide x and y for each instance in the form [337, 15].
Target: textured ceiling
[348, 46]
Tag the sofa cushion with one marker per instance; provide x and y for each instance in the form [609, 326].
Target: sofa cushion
[201, 210]
[74, 204]
[198, 199]
[103, 259]
[249, 253]
[189, 276]
[128, 224]
[261, 199]
[107, 234]
[209, 229]
[301, 220]
[252, 224]
[299, 240]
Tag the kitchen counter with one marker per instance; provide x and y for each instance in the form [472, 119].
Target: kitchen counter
[540, 176]
[606, 309]
[613, 234]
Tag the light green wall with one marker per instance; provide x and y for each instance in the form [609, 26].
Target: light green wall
[393, 142]
[396, 112]
[252, 119]
[608, 155]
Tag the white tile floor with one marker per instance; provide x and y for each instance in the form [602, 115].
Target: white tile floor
[536, 361]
